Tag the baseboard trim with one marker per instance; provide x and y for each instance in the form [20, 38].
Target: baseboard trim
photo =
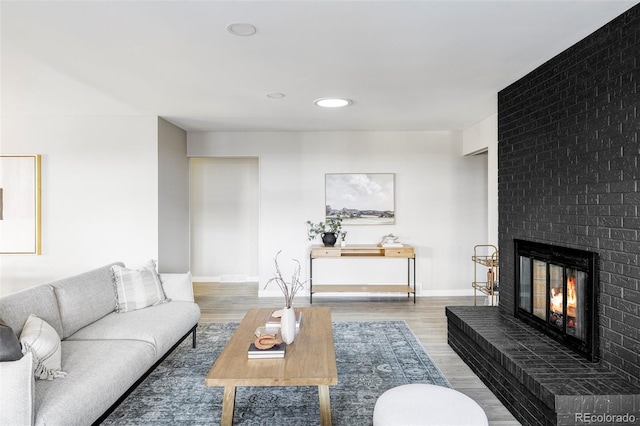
[224, 279]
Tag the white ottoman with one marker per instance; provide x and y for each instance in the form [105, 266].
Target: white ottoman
[422, 404]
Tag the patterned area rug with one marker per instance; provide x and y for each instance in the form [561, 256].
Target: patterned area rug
[371, 358]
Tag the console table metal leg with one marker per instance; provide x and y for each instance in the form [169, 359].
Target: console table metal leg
[409, 276]
[310, 279]
[414, 280]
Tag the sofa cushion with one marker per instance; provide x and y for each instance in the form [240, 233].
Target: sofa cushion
[137, 288]
[160, 325]
[177, 286]
[85, 298]
[10, 349]
[17, 389]
[99, 373]
[39, 300]
[43, 342]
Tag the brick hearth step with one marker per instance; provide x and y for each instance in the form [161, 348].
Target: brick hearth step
[538, 379]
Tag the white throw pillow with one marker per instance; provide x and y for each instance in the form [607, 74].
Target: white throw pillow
[178, 286]
[137, 288]
[17, 390]
[42, 340]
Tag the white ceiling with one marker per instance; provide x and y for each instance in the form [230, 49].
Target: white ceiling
[407, 65]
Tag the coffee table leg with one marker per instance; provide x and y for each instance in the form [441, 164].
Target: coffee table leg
[228, 402]
[325, 405]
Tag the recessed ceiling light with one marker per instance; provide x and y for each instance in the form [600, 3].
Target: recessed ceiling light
[333, 102]
[275, 95]
[241, 29]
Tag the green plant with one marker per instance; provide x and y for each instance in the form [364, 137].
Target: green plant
[289, 289]
[333, 225]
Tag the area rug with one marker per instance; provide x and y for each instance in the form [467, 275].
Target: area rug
[371, 357]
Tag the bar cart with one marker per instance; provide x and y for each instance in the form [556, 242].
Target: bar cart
[485, 272]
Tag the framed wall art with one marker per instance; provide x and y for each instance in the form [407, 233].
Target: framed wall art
[361, 198]
[20, 204]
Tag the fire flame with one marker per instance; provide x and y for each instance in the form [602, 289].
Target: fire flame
[572, 298]
[555, 300]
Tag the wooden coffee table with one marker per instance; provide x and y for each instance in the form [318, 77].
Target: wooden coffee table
[309, 361]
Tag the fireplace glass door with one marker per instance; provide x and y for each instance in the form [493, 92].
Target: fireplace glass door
[556, 296]
[533, 287]
[555, 291]
[576, 292]
[539, 289]
[525, 284]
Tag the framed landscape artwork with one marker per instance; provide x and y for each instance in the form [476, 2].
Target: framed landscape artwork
[361, 198]
[19, 204]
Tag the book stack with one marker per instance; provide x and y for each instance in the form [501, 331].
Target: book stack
[276, 351]
[390, 241]
[274, 320]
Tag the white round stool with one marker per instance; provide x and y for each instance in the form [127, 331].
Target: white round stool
[422, 404]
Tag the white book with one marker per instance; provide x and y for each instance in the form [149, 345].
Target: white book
[265, 356]
[277, 351]
[274, 319]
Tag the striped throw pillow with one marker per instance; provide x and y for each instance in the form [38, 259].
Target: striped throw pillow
[137, 288]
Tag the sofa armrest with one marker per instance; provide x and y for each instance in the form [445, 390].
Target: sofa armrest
[178, 287]
[17, 385]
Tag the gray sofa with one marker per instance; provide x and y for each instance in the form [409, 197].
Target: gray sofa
[104, 353]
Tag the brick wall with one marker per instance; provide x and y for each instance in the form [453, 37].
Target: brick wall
[569, 173]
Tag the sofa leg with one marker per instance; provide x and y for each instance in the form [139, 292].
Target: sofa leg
[194, 336]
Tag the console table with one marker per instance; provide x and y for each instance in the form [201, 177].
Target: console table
[364, 251]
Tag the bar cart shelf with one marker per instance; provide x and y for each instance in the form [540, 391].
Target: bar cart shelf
[485, 272]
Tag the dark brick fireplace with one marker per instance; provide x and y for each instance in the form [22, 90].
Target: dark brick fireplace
[568, 175]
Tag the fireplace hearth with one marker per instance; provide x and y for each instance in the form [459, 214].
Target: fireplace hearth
[557, 291]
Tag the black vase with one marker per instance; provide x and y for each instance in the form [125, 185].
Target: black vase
[329, 239]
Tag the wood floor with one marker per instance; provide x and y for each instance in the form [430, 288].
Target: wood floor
[228, 302]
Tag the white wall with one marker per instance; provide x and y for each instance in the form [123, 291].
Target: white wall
[99, 194]
[483, 138]
[441, 199]
[173, 202]
[224, 219]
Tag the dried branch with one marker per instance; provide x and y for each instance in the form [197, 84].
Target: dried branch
[289, 289]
